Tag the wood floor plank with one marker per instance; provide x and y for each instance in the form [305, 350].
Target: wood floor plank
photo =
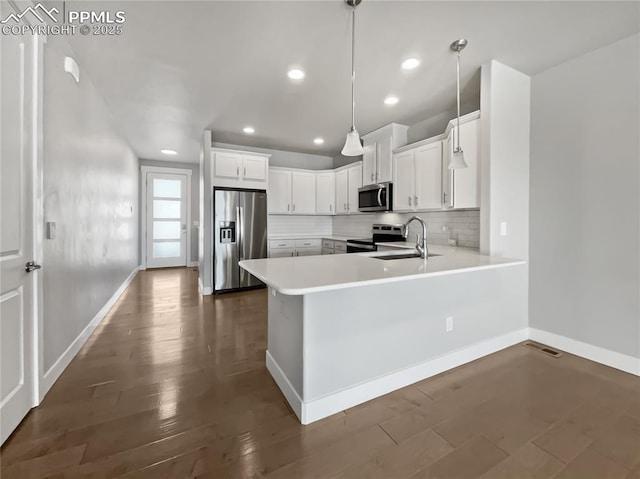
[174, 385]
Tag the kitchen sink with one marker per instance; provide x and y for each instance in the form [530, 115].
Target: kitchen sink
[402, 256]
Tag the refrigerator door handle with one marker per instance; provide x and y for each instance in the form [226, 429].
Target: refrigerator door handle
[240, 238]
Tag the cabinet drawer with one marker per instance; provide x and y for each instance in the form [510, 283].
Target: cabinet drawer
[340, 246]
[308, 243]
[284, 243]
[327, 243]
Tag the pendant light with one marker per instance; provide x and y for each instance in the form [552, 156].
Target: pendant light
[352, 145]
[457, 158]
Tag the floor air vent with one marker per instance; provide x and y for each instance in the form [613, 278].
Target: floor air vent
[542, 348]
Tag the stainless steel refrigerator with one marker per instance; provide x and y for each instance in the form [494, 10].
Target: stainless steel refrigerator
[240, 232]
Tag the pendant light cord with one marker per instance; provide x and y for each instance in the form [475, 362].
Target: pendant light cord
[458, 97]
[353, 68]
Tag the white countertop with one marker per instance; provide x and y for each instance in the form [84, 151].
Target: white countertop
[313, 274]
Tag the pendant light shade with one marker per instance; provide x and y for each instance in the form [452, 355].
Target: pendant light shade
[352, 145]
[457, 158]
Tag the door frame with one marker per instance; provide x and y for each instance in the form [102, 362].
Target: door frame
[145, 170]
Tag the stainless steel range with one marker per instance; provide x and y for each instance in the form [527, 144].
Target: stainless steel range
[381, 233]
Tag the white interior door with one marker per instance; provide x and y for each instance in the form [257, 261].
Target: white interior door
[166, 219]
[17, 286]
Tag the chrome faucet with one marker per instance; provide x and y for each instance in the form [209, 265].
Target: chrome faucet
[420, 248]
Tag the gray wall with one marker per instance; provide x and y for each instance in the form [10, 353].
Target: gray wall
[585, 199]
[195, 200]
[288, 159]
[91, 192]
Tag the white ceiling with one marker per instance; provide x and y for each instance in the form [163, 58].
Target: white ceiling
[181, 67]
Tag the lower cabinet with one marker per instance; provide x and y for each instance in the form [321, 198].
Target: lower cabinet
[333, 246]
[283, 248]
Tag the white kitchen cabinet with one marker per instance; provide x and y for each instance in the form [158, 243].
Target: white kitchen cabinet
[239, 169]
[342, 192]
[428, 176]
[303, 193]
[403, 182]
[348, 180]
[378, 152]
[282, 248]
[282, 253]
[418, 178]
[461, 187]
[325, 193]
[254, 168]
[279, 193]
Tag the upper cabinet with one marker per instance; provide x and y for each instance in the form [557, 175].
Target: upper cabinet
[378, 152]
[325, 193]
[422, 179]
[461, 187]
[239, 169]
[291, 192]
[348, 180]
[418, 178]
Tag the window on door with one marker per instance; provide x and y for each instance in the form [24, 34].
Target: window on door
[166, 220]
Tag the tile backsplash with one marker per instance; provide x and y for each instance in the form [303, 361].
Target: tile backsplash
[464, 225]
[292, 225]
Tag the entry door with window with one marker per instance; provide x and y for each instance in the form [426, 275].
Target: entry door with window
[166, 220]
[18, 304]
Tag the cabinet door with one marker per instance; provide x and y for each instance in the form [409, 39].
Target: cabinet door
[325, 193]
[428, 165]
[342, 192]
[279, 195]
[227, 165]
[466, 192]
[254, 168]
[303, 193]
[355, 182]
[369, 171]
[447, 174]
[403, 182]
[384, 157]
[282, 253]
[315, 250]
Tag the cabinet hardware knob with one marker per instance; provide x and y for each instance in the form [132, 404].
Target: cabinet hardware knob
[288, 206]
[415, 200]
[244, 172]
[409, 200]
[237, 171]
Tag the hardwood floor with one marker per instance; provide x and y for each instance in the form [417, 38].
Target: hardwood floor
[174, 385]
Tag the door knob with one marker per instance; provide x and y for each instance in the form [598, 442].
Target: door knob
[31, 266]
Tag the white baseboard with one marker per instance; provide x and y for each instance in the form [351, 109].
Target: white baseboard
[600, 355]
[204, 291]
[320, 408]
[285, 386]
[63, 361]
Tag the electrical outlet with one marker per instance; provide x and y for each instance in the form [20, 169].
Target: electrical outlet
[503, 228]
[449, 324]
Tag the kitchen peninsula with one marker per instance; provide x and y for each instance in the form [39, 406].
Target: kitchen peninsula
[344, 329]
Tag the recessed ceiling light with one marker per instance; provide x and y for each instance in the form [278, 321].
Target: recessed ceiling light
[410, 63]
[295, 74]
[391, 100]
[169, 152]
[248, 129]
[318, 141]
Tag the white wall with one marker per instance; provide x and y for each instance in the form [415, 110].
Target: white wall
[504, 164]
[288, 159]
[91, 192]
[585, 199]
[195, 200]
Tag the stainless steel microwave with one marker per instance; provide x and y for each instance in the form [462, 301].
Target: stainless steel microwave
[376, 197]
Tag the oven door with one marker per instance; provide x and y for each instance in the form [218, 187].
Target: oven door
[375, 197]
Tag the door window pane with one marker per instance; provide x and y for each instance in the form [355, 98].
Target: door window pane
[166, 230]
[166, 249]
[166, 188]
[166, 209]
